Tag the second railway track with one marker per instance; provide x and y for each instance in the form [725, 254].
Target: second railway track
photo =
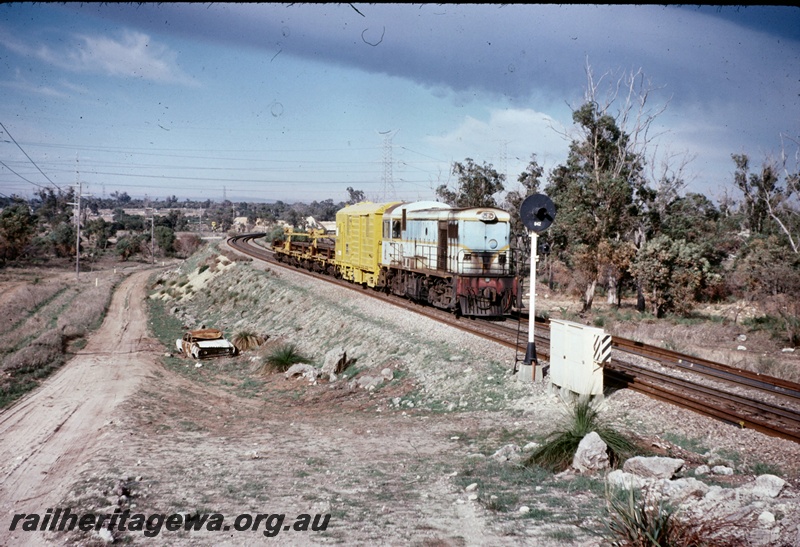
[740, 398]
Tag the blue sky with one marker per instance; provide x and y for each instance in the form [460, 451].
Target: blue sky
[299, 102]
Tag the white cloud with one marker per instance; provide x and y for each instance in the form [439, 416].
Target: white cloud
[20, 83]
[132, 55]
[506, 140]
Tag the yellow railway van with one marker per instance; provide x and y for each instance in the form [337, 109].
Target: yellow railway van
[358, 241]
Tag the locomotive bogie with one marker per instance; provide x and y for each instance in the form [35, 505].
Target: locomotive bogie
[486, 296]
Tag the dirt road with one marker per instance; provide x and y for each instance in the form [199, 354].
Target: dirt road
[49, 435]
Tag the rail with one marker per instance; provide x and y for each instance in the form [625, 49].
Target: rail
[744, 399]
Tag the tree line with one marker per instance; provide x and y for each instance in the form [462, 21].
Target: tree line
[624, 225]
[45, 225]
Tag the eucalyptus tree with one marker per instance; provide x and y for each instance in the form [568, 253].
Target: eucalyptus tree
[477, 185]
[771, 197]
[594, 193]
[17, 227]
[672, 273]
[602, 191]
[528, 183]
[354, 196]
[767, 267]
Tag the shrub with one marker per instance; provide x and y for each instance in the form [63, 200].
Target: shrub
[646, 520]
[281, 358]
[245, 340]
[559, 447]
[188, 244]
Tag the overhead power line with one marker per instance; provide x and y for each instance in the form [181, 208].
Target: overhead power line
[20, 176]
[29, 158]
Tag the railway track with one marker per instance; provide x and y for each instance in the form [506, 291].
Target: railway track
[740, 398]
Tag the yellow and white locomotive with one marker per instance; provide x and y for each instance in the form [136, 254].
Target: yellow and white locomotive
[454, 259]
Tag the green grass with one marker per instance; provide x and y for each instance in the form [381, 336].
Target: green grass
[559, 447]
[687, 443]
[642, 518]
[282, 357]
[760, 468]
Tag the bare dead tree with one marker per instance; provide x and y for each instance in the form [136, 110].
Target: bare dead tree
[788, 206]
[634, 115]
[670, 174]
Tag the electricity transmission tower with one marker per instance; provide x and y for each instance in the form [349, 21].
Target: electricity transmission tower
[387, 178]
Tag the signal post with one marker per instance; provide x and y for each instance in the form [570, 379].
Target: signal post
[537, 213]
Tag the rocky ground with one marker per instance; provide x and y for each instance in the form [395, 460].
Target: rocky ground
[418, 442]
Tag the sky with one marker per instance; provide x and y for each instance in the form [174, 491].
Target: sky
[298, 102]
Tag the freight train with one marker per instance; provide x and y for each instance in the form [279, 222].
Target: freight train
[454, 259]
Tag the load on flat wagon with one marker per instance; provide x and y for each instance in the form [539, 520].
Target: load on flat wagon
[454, 259]
[205, 343]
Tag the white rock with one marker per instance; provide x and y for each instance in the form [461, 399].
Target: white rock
[682, 489]
[765, 486]
[718, 494]
[626, 481]
[523, 509]
[302, 369]
[591, 455]
[106, 535]
[657, 467]
[472, 487]
[722, 470]
[508, 453]
[702, 470]
[766, 519]
[371, 382]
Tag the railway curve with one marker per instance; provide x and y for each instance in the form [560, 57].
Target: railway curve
[737, 397]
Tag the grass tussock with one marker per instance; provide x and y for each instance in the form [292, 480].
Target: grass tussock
[281, 357]
[646, 520]
[558, 449]
[245, 340]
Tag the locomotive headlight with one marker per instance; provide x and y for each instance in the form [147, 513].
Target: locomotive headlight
[493, 244]
[487, 216]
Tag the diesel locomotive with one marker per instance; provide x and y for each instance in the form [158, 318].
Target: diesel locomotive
[457, 259]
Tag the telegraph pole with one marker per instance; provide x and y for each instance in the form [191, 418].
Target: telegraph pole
[78, 233]
[153, 237]
[152, 232]
[77, 204]
[388, 178]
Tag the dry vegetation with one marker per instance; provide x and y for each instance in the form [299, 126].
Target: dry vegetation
[46, 316]
[728, 333]
[395, 464]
